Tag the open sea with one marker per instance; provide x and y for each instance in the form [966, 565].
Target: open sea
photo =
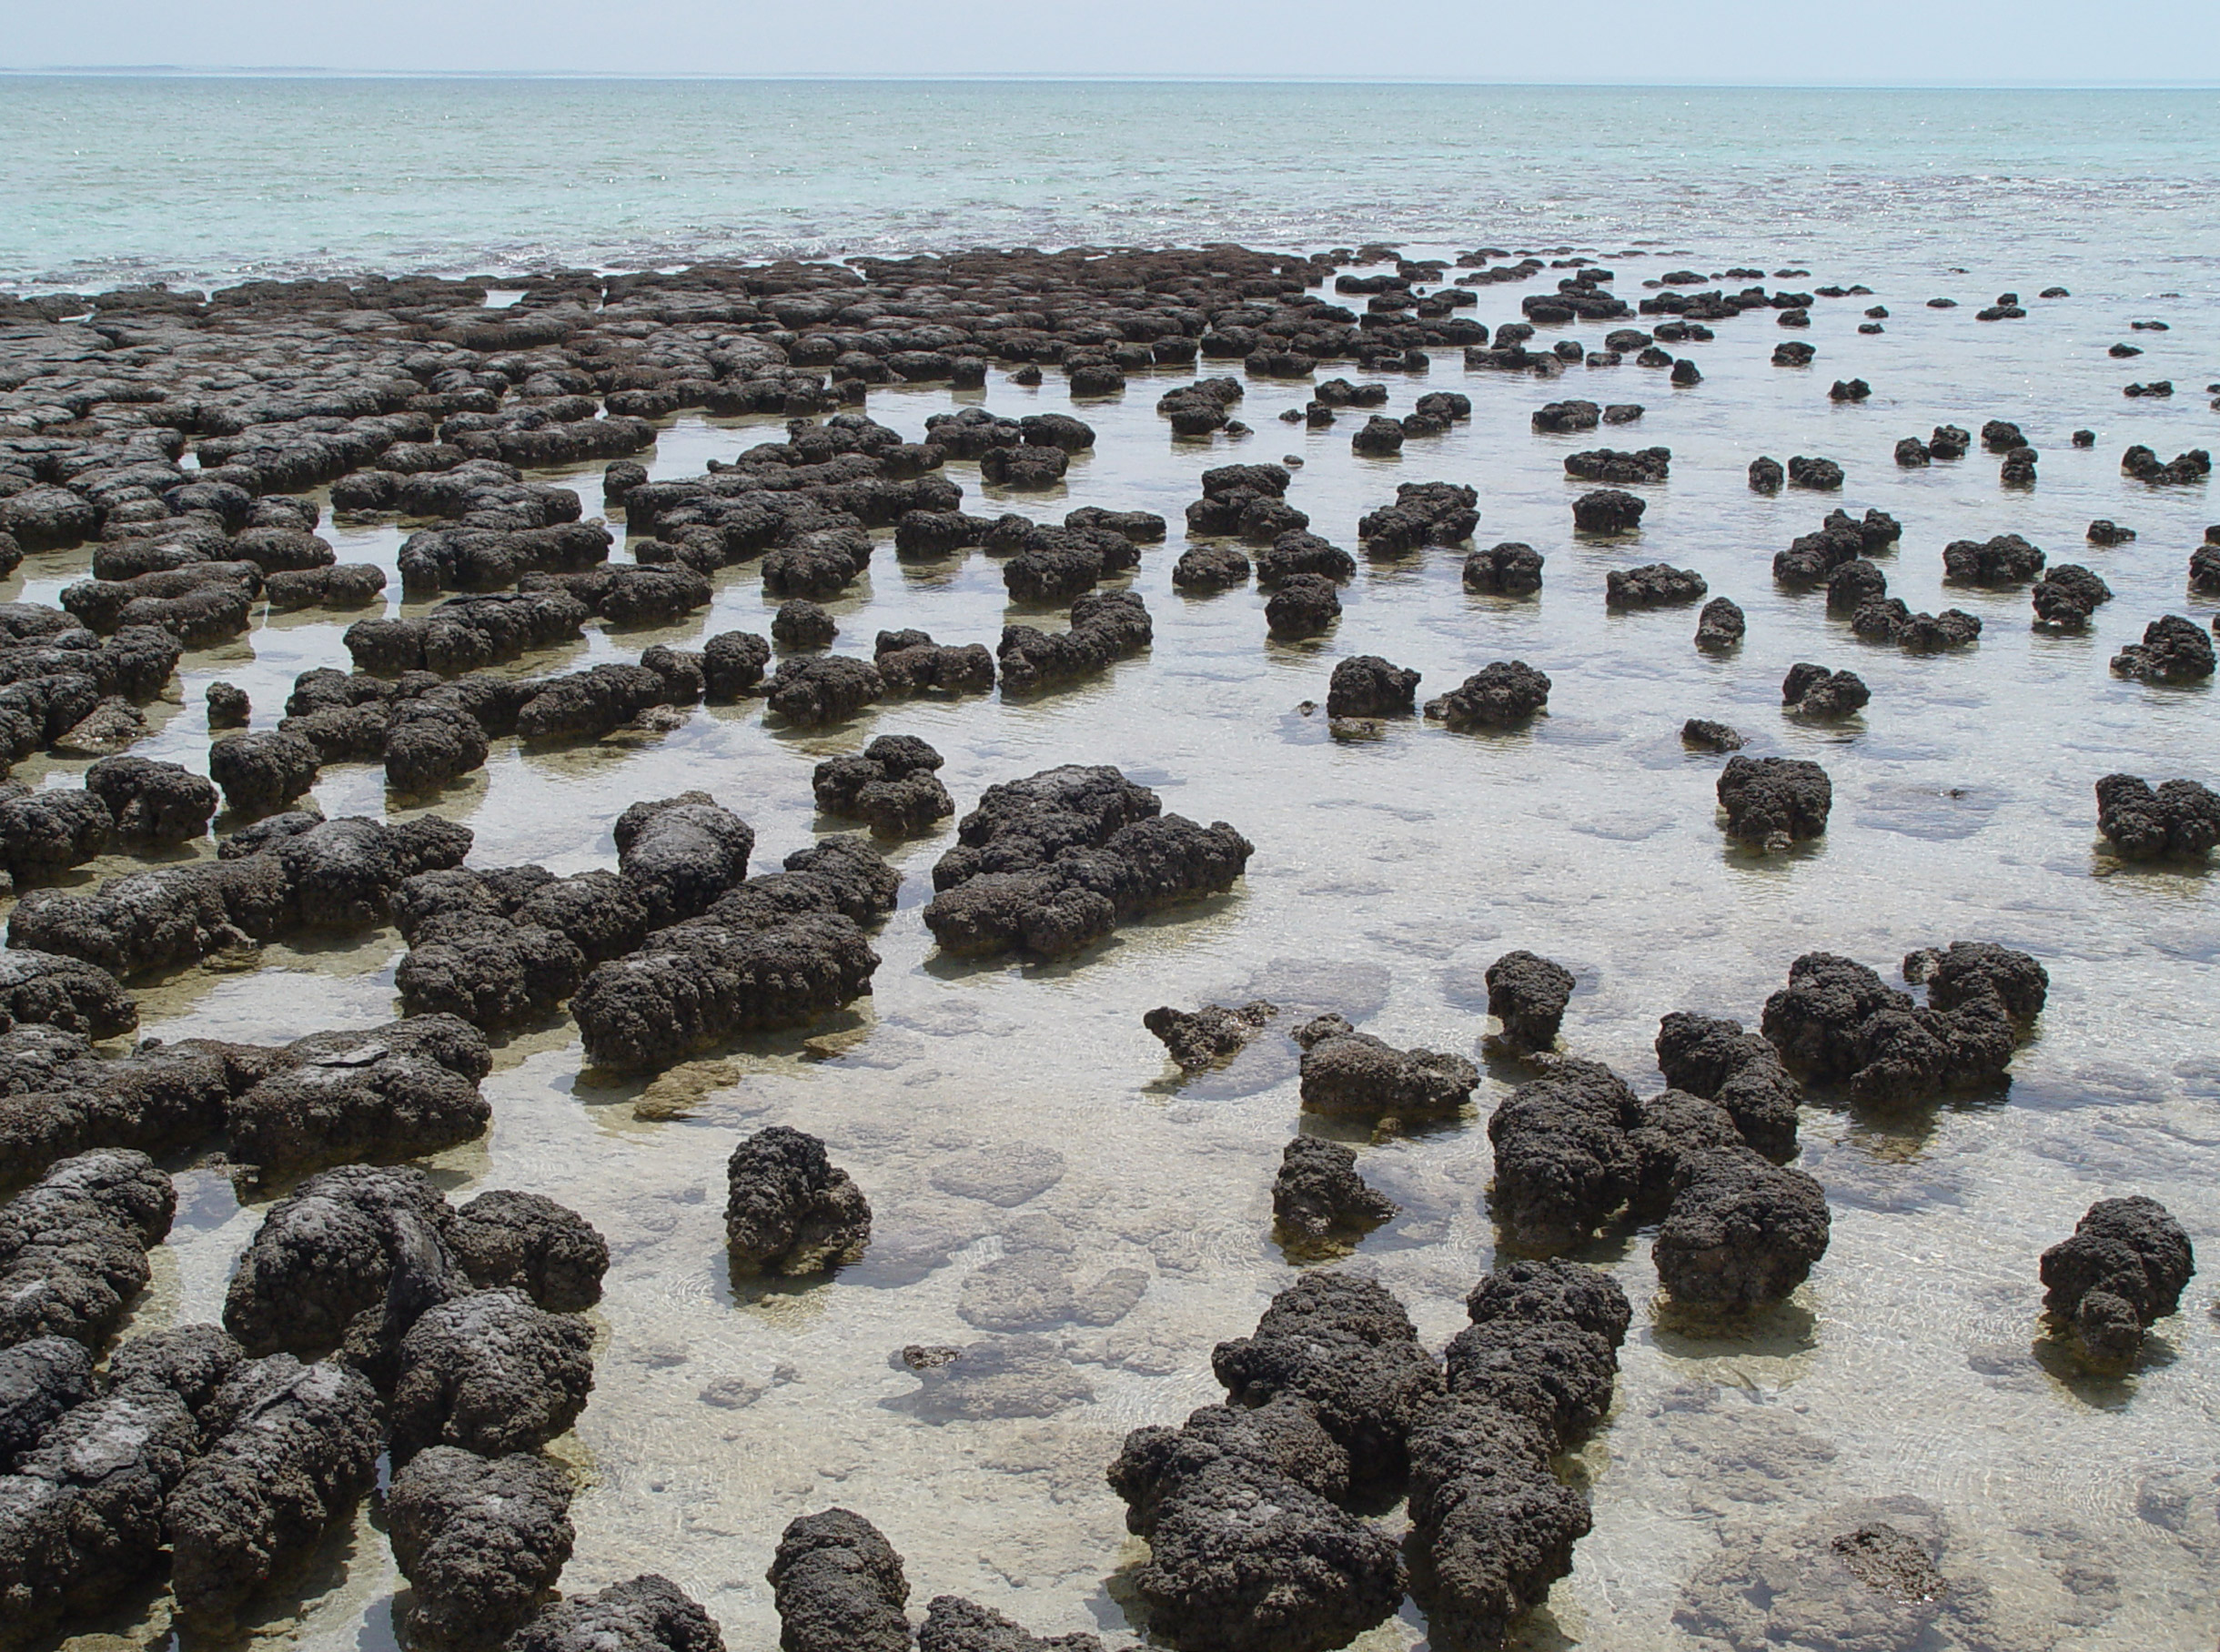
[1910, 1376]
[112, 180]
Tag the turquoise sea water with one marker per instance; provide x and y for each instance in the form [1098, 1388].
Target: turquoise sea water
[118, 180]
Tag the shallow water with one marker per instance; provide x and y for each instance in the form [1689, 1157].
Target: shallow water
[1388, 872]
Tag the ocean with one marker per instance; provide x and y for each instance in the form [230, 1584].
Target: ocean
[199, 181]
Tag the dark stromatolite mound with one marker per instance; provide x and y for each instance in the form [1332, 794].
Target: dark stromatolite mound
[1283, 1435]
[1505, 694]
[1347, 1346]
[1715, 1059]
[1346, 1071]
[2067, 596]
[1317, 1195]
[1210, 567]
[1491, 1528]
[1707, 734]
[1889, 620]
[1837, 1022]
[1051, 863]
[1298, 552]
[1720, 626]
[292, 870]
[297, 1449]
[777, 951]
[812, 689]
[839, 1587]
[1298, 1571]
[802, 624]
[1814, 692]
[1564, 1158]
[394, 1092]
[1243, 1559]
[490, 1372]
[48, 833]
[1528, 993]
[2143, 465]
[1742, 1232]
[57, 1098]
[152, 802]
[1852, 584]
[1970, 972]
[1424, 513]
[2005, 560]
[891, 784]
[954, 1624]
[1610, 465]
[1607, 510]
[262, 769]
[1509, 569]
[1305, 605]
[788, 1210]
[1105, 627]
[679, 854]
[481, 1541]
[1655, 585]
[526, 1242]
[39, 1380]
[1199, 408]
[1214, 1034]
[1565, 417]
[61, 991]
[1531, 1292]
[2173, 651]
[911, 662]
[464, 633]
[343, 1263]
[2179, 818]
[1675, 1126]
[2125, 1267]
[1551, 1374]
[228, 706]
[646, 1613]
[486, 968]
[73, 1245]
[1772, 802]
[733, 664]
[81, 1515]
[1365, 685]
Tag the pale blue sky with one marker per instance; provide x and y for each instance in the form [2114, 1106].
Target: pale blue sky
[1667, 42]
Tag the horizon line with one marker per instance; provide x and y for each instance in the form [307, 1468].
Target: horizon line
[319, 72]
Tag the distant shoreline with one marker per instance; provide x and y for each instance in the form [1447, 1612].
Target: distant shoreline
[312, 72]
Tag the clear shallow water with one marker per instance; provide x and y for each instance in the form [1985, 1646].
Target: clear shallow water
[1388, 873]
[116, 179]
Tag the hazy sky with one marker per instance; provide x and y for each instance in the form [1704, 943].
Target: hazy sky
[1672, 42]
